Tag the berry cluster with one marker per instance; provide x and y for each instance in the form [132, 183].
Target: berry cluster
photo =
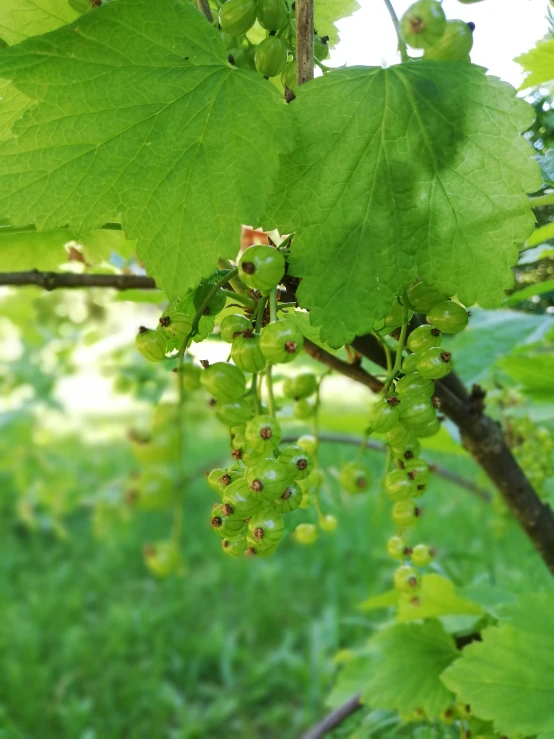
[274, 56]
[265, 480]
[424, 26]
[407, 412]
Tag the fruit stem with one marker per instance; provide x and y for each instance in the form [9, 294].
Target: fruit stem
[270, 396]
[401, 342]
[258, 317]
[386, 349]
[547, 199]
[401, 43]
[178, 504]
[238, 298]
[273, 305]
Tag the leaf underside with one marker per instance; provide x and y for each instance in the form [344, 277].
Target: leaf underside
[414, 170]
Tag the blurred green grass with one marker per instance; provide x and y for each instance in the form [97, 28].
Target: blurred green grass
[92, 647]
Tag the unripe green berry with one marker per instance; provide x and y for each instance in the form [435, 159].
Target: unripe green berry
[404, 513]
[308, 443]
[232, 327]
[399, 485]
[407, 579]
[224, 381]
[396, 547]
[261, 267]
[448, 317]
[328, 522]
[151, 344]
[435, 364]
[306, 533]
[423, 338]
[354, 477]
[421, 555]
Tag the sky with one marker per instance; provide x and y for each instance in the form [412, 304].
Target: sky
[503, 29]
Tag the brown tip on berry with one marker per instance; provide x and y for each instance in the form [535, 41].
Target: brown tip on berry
[148, 550]
[435, 332]
[259, 533]
[417, 25]
[449, 712]
[266, 433]
[236, 454]
[446, 356]
[361, 483]
[302, 464]
[248, 333]
[412, 474]
[212, 402]
[256, 486]
[216, 522]
[412, 582]
[394, 401]
[248, 267]
[408, 455]
[250, 552]
[286, 495]
[236, 334]
[436, 402]
[417, 512]
[227, 509]
[205, 363]
[225, 479]
[421, 487]
[142, 329]
[225, 543]
[407, 551]
[291, 347]
[165, 321]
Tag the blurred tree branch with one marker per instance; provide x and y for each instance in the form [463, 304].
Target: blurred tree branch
[55, 280]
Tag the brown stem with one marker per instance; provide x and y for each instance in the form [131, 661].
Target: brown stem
[204, 8]
[304, 41]
[354, 371]
[484, 440]
[55, 280]
[335, 718]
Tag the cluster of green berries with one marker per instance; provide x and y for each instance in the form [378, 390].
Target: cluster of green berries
[274, 56]
[425, 26]
[455, 715]
[533, 447]
[407, 413]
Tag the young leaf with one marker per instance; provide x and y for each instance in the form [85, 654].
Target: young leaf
[416, 169]
[140, 118]
[406, 675]
[437, 597]
[538, 63]
[509, 676]
[20, 19]
[328, 12]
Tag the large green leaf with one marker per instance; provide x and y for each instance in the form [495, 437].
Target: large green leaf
[140, 117]
[509, 676]
[406, 675]
[20, 19]
[538, 64]
[416, 169]
[534, 372]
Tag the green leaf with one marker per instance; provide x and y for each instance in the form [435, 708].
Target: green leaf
[328, 12]
[538, 63]
[490, 336]
[415, 169]
[437, 597]
[540, 235]
[509, 676]
[406, 675]
[533, 371]
[382, 600]
[20, 19]
[13, 105]
[147, 126]
[546, 163]
[529, 292]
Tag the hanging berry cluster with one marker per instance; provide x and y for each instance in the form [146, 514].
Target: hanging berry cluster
[407, 412]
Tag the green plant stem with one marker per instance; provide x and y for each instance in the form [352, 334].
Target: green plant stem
[177, 509]
[401, 43]
[273, 305]
[547, 199]
[257, 317]
[401, 341]
[243, 299]
[386, 349]
[270, 396]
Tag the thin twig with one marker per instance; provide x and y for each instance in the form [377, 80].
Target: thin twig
[54, 280]
[335, 718]
[304, 41]
[354, 371]
[401, 43]
[204, 8]
[438, 469]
